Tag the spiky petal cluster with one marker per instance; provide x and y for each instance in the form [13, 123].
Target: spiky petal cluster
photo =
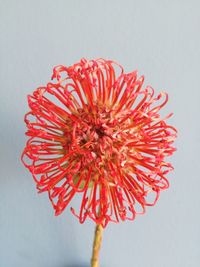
[99, 136]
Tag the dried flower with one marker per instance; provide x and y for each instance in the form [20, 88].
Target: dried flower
[101, 136]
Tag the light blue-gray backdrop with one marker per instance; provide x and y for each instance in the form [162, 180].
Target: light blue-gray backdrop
[159, 38]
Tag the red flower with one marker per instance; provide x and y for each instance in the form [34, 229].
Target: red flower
[99, 136]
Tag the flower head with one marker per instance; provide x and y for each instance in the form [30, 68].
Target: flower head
[99, 136]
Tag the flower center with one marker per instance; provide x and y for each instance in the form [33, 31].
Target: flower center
[100, 131]
[99, 139]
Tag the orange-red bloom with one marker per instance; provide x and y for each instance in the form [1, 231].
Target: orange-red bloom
[99, 136]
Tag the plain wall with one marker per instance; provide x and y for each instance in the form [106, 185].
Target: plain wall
[159, 38]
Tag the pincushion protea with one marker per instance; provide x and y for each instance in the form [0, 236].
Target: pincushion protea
[101, 136]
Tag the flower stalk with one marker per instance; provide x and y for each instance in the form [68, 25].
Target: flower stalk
[97, 246]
